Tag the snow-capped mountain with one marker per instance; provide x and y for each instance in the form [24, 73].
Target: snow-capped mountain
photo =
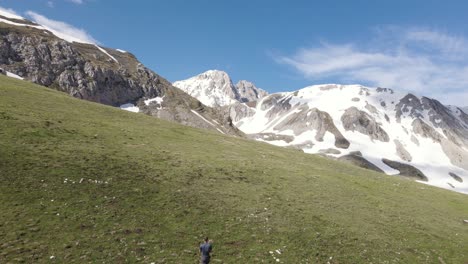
[380, 129]
[465, 109]
[215, 88]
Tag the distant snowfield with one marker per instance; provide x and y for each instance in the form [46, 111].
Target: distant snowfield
[427, 156]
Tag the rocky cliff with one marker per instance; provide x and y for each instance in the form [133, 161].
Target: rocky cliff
[95, 73]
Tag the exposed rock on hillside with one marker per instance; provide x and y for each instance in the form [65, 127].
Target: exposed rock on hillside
[406, 170]
[98, 74]
[355, 120]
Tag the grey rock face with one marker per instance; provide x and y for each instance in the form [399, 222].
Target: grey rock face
[276, 104]
[315, 119]
[401, 151]
[78, 69]
[86, 72]
[384, 90]
[458, 156]
[423, 129]
[456, 177]
[358, 160]
[248, 92]
[409, 105]
[355, 120]
[238, 111]
[465, 109]
[406, 170]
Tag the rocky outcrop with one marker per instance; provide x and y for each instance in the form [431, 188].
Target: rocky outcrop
[306, 119]
[81, 70]
[401, 151]
[458, 155]
[406, 170]
[410, 105]
[101, 75]
[354, 119]
[421, 128]
[357, 160]
[456, 177]
[238, 111]
[248, 92]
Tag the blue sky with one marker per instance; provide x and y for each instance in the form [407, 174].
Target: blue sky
[417, 46]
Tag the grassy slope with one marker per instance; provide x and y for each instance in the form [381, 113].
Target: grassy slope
[169, 185]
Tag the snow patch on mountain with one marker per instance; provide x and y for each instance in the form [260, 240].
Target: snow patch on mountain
[158, 100]
[9, 74]
[130, 107]
[107, 53]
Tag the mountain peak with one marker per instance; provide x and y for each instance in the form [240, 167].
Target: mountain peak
[214, 73]
[215, 88]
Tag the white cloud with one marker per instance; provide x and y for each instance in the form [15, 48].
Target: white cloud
[79, 2]
[423, 61]
[62, 29]
[8, 12]
[50, 4]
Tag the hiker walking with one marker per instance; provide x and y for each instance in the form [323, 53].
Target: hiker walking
[205, 250]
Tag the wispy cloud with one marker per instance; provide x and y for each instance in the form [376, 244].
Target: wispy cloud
[62, 29]
[50, 4]
[9, 13]
[79, 2]
[418, 60]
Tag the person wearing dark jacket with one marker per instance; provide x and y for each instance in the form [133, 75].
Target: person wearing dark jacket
[205, 250]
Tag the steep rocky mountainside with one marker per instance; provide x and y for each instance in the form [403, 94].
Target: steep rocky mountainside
[465, 109]
[215, 88]
[380, 129]
[103, 75]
